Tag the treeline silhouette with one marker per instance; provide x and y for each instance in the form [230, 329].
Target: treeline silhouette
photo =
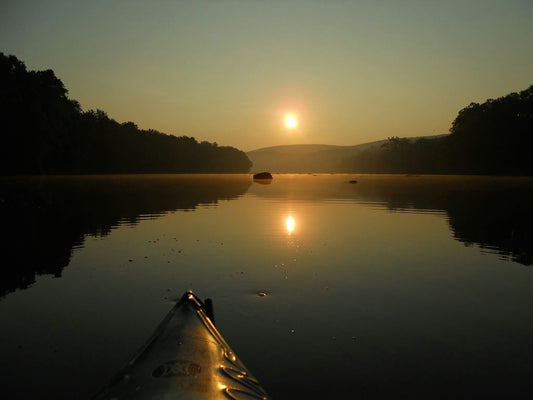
[45, 132]
[493, 138]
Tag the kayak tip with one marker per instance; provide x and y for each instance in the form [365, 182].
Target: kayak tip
[186, 357]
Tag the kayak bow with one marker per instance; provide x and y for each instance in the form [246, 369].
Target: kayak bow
[185, 358]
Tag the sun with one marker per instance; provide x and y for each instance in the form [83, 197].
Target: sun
[291, 122]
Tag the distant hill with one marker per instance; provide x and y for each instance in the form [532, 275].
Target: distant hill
[491, 138]
[305, 158]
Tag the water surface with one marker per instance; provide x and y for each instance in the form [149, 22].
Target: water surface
[409, 286]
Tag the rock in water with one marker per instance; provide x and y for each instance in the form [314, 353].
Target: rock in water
[263, 175]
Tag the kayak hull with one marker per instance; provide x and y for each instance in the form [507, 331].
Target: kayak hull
[186, 358]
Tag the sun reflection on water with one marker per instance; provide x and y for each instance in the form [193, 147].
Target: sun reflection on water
[290, 224]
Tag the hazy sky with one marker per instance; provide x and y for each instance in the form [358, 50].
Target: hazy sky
[227, 71]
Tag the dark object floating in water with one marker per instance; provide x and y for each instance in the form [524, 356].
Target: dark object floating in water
[263, 175]
[185, 358]
[352, 181]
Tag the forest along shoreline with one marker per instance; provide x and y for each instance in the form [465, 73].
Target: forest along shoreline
[45, 132]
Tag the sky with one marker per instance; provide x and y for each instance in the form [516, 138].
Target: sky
[230, 71]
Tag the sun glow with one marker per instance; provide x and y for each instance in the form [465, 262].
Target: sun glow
[291, 122]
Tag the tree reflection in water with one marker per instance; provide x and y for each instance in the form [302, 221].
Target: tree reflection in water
[44, 219]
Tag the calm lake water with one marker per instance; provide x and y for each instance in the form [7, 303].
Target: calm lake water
[392, 287]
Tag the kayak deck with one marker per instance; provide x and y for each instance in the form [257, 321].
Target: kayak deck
[185, 358]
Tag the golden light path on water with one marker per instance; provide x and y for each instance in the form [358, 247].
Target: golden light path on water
[290, 224]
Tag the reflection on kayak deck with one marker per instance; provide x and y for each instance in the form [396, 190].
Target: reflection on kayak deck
[185, 358]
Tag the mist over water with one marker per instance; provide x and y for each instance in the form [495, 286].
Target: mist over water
[418, 286]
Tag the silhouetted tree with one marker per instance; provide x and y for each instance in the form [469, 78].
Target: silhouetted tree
[493, 138]
[44, 132]
[37, 119]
